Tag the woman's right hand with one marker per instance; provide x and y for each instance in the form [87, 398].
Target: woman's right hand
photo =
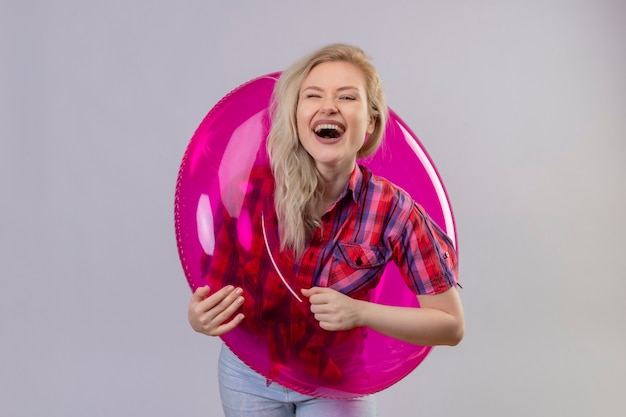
[211, 314]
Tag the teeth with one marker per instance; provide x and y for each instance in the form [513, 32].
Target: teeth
[328, 126]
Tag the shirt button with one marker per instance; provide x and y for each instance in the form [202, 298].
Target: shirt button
[359, 262]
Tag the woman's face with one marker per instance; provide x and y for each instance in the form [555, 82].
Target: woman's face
[333, 115]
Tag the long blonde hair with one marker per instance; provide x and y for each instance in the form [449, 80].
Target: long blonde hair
[298, 182]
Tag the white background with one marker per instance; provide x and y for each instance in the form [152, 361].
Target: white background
[521, 104]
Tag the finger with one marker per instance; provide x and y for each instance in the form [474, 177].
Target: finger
[219, 322]
[325, 322]
[227, 327]
[200, 293]
[210, 306]
[224, 296]
[328, 326]
[308, 292]
[320, 308]
[319, 295]
[227, 308]
[222, 300]
[215, 321]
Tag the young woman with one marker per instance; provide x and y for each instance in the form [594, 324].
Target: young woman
[337, 226]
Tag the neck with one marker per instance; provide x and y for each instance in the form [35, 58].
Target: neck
[334, 181]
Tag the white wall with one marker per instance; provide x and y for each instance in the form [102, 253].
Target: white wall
[521, 104]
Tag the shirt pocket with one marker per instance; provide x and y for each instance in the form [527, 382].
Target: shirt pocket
[356, 268]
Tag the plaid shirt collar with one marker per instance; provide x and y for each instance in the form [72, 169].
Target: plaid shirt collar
[354, 185]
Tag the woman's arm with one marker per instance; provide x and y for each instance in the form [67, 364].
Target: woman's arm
[438, 321]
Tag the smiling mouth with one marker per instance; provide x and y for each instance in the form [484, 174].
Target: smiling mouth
[328, 131]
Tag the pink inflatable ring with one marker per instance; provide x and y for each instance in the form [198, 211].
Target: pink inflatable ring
[220, 158]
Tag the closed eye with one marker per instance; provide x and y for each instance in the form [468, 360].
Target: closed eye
[349, 98]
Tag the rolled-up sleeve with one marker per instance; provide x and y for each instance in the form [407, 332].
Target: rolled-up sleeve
[425, 254]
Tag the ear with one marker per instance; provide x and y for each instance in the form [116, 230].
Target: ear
[371, 125]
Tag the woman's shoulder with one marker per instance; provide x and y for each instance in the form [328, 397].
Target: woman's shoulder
[385, 189]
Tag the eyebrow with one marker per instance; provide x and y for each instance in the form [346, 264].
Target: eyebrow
[345, 88]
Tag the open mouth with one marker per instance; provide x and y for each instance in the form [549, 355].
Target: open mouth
[328, 131]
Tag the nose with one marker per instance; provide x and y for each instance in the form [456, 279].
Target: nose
[328, 106]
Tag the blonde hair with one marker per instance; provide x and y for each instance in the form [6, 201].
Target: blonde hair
[298, 183]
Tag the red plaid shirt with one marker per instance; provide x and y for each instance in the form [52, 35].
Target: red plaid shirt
[372, 223]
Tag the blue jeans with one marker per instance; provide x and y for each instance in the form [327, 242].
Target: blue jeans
[245, 393]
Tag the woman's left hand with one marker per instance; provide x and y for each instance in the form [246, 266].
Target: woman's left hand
[333, 310]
